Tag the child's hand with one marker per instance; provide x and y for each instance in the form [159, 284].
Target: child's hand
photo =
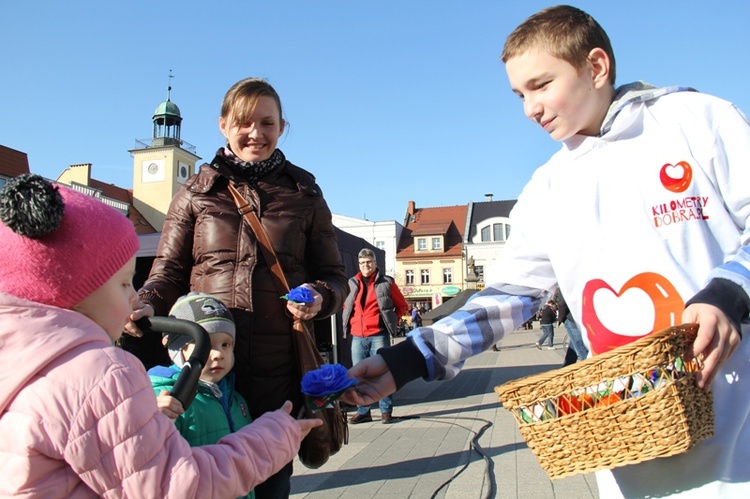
[305, 425]
[306, 311]
[717, 340]
[168, 405]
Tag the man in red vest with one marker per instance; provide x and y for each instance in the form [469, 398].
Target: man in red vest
[371, 315]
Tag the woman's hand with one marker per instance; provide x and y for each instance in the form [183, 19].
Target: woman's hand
[716, 341]
[306, 311]
[140, 310]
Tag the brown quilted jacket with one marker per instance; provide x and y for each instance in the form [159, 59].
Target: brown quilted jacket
[206, 246]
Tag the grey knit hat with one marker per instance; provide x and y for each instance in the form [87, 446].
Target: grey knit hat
[203, 309]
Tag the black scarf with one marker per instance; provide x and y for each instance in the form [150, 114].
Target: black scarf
[255, 170]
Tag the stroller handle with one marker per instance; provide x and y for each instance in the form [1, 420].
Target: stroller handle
[186, 385]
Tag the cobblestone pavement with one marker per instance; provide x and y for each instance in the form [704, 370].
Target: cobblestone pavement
[448, 440]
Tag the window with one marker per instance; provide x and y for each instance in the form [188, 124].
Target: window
[437, 243]
[447, 276]
[479, 269]
[496, 232]
[409, 277]
[380, 245]
[422, 244]
[425, 276]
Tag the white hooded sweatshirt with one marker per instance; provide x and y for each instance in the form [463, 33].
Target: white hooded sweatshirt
[648, 212]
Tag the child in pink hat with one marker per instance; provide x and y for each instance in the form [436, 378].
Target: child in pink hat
[78, 415]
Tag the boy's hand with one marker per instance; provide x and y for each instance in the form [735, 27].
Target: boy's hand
[305, 425]
[168, 405]
[717, 340]
[140, 310]
[306, 311]
[375, 382]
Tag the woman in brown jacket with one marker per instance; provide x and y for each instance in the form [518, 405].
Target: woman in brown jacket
[206, 246]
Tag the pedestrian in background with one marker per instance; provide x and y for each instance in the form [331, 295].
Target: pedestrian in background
[548, 316]
[576, 340]
[371, 314]
[416, 319]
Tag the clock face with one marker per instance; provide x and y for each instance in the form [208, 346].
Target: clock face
[152, 170]
[183, 172]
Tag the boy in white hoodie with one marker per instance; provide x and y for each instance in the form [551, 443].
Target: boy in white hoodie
[655, 182]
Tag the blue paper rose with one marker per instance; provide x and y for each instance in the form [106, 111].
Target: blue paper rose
[329, 379]
[300, 294]
[323, 386]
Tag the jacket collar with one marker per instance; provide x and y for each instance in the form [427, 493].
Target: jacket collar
[218, 169]
[374, 277]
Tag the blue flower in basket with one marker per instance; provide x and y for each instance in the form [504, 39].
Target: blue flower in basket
[325, 385]
[300, 294]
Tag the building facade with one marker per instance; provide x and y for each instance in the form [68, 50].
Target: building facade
[487, 230]
[383, 235]
[12, 164]
[430, 262]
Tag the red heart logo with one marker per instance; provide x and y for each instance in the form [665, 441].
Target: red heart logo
[676, 178]
[668, 307]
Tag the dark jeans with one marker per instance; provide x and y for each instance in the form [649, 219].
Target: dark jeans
[368, 346]
[570, 357]
[278, 486]
[548, 331]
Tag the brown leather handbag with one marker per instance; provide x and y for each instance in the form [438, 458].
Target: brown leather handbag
[326, 440]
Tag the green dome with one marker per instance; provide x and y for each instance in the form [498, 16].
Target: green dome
[167, 108]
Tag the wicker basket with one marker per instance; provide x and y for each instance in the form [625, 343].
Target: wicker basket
[572, 425]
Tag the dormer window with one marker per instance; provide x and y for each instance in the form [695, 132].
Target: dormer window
[495, 232]
[429, 244]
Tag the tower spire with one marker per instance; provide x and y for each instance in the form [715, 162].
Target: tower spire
[169, 85]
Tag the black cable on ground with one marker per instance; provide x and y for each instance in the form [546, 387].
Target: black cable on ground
[474, 444]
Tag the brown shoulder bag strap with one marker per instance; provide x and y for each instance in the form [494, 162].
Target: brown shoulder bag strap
[269, 254]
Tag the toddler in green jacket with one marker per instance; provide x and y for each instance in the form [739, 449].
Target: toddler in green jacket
[217, 409]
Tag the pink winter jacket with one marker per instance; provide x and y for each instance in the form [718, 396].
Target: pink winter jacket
[78, 418]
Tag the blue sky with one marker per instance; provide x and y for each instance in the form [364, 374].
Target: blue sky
[387, 101]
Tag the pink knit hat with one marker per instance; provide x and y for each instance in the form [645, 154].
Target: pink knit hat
[57, 246]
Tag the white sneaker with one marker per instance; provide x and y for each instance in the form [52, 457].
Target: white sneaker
[550, 348]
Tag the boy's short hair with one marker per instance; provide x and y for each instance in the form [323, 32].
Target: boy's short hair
[565, 32]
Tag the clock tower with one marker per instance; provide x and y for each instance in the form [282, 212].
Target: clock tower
[161, 164]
